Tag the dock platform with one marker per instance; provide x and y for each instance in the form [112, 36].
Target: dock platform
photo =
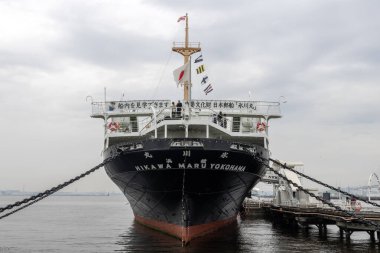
[303, 216]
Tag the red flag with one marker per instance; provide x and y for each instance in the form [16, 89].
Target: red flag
[181, 18]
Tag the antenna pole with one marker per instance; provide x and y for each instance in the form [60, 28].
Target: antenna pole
[189, 85]
[186, 87]
[187, 33]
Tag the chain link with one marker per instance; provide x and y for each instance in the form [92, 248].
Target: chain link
[265, 162]
[323, 184]
[22, 207]
[35, 198]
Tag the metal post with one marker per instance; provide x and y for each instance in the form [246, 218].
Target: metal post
[348, 234]
[372, 235]
[155, 121]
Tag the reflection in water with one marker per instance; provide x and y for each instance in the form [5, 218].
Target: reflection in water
[247, 235]
[142, 239]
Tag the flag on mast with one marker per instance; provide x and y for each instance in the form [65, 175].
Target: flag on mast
[208, 89]
[199, 59]
[204, 80]
[182, 74]
[200, 69]
[181, 18]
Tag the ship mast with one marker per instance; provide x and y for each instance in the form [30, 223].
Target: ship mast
[186, 49]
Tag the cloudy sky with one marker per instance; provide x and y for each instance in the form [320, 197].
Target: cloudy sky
[322, 56]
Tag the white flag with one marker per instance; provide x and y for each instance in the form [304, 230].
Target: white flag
[182, 74]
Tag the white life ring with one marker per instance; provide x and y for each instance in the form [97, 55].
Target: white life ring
[260, 126]
[113, 126]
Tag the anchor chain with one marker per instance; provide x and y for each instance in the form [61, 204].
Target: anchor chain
[323, 184]
[22, 207]
[35, 198]
[338, 208]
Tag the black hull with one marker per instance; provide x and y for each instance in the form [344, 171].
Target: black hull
[196, 185]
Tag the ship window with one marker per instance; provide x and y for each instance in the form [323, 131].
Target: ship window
[186, 144]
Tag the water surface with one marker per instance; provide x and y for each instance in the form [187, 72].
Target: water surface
[106, 224]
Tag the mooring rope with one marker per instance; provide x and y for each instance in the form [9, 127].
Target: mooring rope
[35, 198]
[323, 184]
[265, 162]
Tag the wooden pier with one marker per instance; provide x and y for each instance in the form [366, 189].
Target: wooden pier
[312, 215]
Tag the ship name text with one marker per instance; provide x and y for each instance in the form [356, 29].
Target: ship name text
[212, 166]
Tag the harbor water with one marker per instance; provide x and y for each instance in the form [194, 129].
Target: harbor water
[106, 224]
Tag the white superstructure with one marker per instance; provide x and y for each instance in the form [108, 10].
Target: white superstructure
[245, 121]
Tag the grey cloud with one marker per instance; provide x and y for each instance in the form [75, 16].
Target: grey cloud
[112, 48]
[321, 55]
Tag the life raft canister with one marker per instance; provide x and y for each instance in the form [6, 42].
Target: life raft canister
[113, 126]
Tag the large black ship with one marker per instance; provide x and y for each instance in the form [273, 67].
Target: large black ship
[185, 170]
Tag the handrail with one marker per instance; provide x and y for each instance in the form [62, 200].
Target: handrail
[190, 44]
[224, 105]
[213, 117]
[151, 120]
[215, 112]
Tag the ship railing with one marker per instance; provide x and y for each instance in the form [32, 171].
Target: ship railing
[130, 106]
[230, 107]
[159, 116]
[256, 203]
[237, 125]
[98, 108]
[138, 124]
[131, 126]
[172, 113]
[263, 108]
[344, 206]
[189, 44]
[228, 124]
[215, 117]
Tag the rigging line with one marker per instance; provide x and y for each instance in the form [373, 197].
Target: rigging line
[264, 162]
[162, 75]
[323, 184]
[165, 66]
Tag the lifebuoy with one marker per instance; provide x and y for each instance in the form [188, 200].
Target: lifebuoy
[260, 126]
[113, 126]
[358, 207]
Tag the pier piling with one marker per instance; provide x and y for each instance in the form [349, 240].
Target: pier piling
[291, 216]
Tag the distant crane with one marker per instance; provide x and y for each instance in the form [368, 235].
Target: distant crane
[369, 184]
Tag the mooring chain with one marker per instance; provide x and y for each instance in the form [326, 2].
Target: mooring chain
[35, 198]
[22, 207]
[323, 184]
[338, 208]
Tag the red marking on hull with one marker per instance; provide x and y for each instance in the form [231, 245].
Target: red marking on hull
[186, 234]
